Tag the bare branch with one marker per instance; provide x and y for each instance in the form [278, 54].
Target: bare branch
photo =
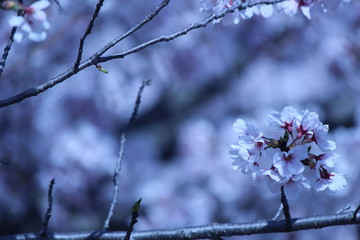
[44, 231]
[9, 44]
[121, 154]
[209, 231]
[93, 60]
[147, 19]
[356, 213]
[203, 24]
[87, 32]
[7, 50]
[286, 210]
[116, 183]
[32, 92]
[137, 103]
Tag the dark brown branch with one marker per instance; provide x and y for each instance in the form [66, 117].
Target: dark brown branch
[147, 19]
[203, 24]
[44, 231]
[137, 103]
[96, 59]
[32, 92]
[356, 213]
[87, 32]
[9, 44]
[209, 231]
[286, 210]
[7, 50]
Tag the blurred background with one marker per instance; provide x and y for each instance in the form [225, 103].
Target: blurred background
[176, 155]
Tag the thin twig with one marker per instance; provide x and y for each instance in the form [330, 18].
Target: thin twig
[134, 216]
[87, 32]
[277, 215]
[7, 50]
[9, 44]
[44, 231]
[95, 59]
[208, 231]
[137, 103]
[355, 213]
[286, 210]
[116, 183]
[147, 19]
[121, 154]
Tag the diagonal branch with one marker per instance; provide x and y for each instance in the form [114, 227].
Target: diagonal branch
[96, 59]
[147, 19]
[9, 44]
[191, 27]
[7, 50]
[87, 32]
[209, 231]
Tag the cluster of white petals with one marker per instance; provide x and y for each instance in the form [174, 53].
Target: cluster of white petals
[33, 23]
[300, 157]
[288, 7]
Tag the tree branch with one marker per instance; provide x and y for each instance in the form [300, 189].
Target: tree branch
[93, 60]
[7, 50]
[87, 32]
[208, 231]
[116, 183]
[147, 19]
[286, 210]
[9, 44]
[44, 231]
[121, 154]
[133, 221]
[203, 24]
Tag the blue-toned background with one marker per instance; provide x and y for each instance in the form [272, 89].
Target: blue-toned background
[176, 155]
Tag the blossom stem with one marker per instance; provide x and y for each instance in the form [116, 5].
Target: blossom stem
[286, 210]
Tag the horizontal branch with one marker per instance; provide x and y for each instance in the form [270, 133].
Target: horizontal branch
[209, 231]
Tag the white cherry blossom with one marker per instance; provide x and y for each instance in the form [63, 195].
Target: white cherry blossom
[288, 161]
[34, 22]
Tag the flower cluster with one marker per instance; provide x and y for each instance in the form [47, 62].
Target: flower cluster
[289, 7]
[32, 23]
[302, 156]
[262, 9]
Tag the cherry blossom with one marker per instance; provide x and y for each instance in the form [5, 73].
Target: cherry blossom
[333, 181]
[220, 5]
[321, 139]
[301, 157]
[288, 7]
[34, 22]
[249, 148]
[307, 123]
[289, 163]
[284, 120]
